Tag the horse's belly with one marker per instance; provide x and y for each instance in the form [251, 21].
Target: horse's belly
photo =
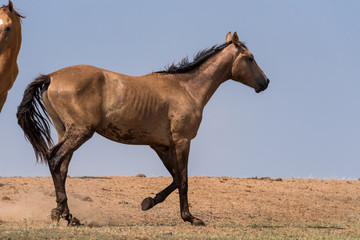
[134, 134]
[135, 117]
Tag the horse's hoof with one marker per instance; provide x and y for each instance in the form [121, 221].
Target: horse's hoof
[147, 203]
[55, 215]
[197, 222]
[74, 222]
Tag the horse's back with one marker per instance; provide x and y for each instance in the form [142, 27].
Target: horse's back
[75, 76]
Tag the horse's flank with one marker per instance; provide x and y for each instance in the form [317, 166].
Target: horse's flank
[10, 41]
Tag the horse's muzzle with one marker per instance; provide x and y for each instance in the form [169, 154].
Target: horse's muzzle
[263, 86]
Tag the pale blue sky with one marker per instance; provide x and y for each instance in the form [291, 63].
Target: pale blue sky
[306, 124]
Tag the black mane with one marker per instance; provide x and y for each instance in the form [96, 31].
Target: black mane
[185, 66]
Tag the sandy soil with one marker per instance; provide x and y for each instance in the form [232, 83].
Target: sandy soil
[113, 201]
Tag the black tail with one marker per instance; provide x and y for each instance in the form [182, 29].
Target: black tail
[36, 127]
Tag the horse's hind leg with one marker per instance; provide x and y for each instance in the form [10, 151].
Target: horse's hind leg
[59, 159]
[73, 138]
[59, 178]
[63, 152]
[58, 175]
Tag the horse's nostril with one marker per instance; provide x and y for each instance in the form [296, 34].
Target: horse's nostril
[268, 81]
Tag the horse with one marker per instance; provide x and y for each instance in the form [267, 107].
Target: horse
[162, 109]
[10, 41]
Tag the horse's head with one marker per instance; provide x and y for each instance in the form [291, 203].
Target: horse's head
[244, 68]
[10, 27]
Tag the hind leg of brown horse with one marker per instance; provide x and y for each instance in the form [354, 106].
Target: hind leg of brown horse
[59, 158]
[2, 99]
[62, 210]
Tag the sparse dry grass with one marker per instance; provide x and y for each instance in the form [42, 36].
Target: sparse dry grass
[255, 230]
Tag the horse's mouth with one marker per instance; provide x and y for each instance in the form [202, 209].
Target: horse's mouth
[262, 87]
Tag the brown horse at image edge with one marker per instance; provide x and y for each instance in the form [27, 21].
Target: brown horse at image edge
[10, 41]
[161, 109]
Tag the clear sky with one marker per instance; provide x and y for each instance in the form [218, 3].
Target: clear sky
[306, 124]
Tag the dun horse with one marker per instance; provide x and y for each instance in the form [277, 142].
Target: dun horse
[162, 109]
[10, 41]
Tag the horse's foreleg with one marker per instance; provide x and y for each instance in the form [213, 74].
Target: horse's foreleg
[182, 149]
[150, 202]
[165, 155]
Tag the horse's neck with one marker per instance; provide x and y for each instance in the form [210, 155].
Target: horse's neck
[203, 83]
[8, 62]
[8, 58]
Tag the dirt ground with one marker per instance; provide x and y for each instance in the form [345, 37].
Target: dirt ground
[218, 201]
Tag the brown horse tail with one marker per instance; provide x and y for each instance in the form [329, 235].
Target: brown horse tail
[35, 126]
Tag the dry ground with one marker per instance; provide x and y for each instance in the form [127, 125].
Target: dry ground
[232, 208]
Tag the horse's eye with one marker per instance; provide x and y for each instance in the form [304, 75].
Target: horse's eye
[251, 59]
[7, 28]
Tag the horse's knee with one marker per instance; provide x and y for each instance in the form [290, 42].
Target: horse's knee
[184, 184]
[181, 183]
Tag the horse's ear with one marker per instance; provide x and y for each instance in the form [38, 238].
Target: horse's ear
[228, 37]
[10, 6]
[235, 39]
